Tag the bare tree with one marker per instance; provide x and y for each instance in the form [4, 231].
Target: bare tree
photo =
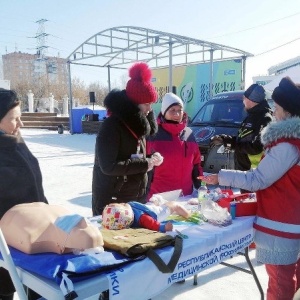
[22, 88]
[42, 86]
[58, 90]
[79, 90]
[123, 81]
[39, 86]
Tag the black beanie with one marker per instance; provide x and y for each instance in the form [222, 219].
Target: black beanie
[255, 93]
[287, 95]
[8, 100]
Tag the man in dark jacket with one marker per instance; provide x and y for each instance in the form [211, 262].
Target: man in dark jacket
[120, 168]
[247, 144]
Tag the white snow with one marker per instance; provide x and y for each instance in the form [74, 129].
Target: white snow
[66, 162]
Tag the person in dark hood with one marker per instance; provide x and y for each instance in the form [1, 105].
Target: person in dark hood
[20, 174]
[247, 144]
[121, 166]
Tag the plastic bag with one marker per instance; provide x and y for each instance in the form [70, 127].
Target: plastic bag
[215, 214]
[161, 198]
[217, 194]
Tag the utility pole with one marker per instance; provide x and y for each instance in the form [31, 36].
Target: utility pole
[41, 38]
[41, 69]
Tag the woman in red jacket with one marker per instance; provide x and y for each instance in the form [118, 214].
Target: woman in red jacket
[177, 144]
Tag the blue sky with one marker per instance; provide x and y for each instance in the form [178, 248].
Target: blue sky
[256, 26]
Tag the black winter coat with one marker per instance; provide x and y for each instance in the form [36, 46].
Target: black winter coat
[20, 182]
[248, 140]
[117, 177]
[20, 174]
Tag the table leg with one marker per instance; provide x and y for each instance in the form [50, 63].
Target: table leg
[251, 271]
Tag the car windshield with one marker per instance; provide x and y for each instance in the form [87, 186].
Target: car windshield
[218, 111]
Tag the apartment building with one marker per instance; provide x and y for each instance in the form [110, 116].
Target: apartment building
[25, 67]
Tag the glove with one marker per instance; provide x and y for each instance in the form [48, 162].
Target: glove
[154, 161]
[227, 139]
[216, 141]
[150, 164]
[221, 139]
[157, 159]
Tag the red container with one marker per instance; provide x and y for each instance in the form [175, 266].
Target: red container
[242, 208]
[246, 209]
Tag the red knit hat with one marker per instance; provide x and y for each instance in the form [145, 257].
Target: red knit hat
[139, 88]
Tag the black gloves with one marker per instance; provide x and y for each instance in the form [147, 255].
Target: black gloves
[226, 140]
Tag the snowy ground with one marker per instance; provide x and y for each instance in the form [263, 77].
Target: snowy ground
[66, 162]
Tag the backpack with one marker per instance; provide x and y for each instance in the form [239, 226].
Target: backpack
[134, 242]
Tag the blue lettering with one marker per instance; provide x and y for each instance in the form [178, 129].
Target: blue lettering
[115, 290]
[115, 283]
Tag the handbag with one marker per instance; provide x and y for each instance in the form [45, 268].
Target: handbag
[133, 242]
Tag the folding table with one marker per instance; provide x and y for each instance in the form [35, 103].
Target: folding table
[206, 246]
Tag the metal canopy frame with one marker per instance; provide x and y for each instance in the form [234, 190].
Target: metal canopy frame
[119, 47]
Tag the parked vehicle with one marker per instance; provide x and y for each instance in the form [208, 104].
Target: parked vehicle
[222, 114]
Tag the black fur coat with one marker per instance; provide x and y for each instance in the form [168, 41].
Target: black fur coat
[20, 182]
[117, 176]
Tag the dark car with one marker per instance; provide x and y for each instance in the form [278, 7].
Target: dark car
[222, 114]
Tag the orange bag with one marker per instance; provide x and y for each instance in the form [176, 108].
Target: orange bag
[38, 227]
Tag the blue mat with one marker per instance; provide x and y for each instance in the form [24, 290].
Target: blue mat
[78, 267]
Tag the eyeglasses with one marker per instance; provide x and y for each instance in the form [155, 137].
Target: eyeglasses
[175, 111]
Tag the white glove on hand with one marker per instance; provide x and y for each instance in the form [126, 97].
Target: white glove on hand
[150, 164]
[154, 161]
[157, 159]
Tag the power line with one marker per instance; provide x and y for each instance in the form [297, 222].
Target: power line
[278, 47]
[257, 26]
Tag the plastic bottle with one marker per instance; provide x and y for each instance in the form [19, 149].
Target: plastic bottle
[202, 193]
[233, 209]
